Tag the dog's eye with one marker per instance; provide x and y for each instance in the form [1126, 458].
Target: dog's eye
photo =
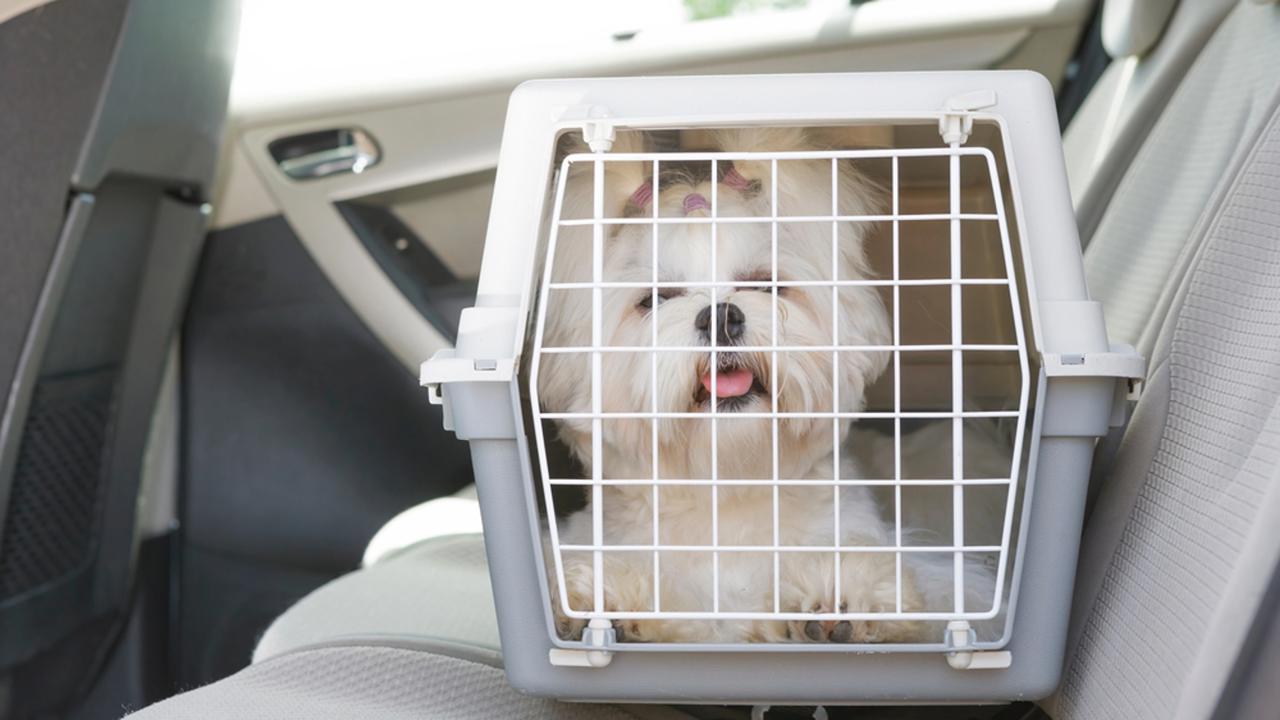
[646, 301]
[760, 282]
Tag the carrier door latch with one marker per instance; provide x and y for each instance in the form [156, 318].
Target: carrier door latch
[957, 115]
[1122, 362]
[446, 368]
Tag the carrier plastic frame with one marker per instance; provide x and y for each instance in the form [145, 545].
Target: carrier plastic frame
[1079, 388]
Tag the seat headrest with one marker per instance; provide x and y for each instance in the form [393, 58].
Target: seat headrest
[1132, 27]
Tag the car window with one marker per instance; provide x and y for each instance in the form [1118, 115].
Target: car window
[300, 44]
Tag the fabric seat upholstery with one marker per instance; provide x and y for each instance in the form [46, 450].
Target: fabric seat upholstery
[377, 683]
[437, 592]
[412, 637]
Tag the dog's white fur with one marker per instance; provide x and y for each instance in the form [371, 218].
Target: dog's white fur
[806, 515]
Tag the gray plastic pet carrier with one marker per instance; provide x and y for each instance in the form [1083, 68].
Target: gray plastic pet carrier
[783, 389]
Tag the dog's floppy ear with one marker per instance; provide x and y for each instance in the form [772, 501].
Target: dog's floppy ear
[753, 175]
[625, 184]
[763, 139]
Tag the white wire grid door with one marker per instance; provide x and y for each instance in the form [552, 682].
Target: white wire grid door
[601, 224]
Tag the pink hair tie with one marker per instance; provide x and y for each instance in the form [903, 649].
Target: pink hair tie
[734, 179]
[695, 201]
[643, 195]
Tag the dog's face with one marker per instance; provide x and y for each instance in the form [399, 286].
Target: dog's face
[746, 381]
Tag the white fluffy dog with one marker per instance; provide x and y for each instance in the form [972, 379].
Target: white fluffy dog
[745, 382]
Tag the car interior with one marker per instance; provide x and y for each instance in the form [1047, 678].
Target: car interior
[232, 230]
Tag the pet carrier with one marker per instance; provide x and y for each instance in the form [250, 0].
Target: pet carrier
[817, 354]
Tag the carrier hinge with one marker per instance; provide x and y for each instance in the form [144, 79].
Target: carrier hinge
[956, 122]
[598, 633]
[599, 135]
[960, 635]
[598, 128]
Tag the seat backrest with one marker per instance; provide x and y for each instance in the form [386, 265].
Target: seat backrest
[1132, 262]
[1151, 43]
[72, 48]
[107, 236]
[1180, 545]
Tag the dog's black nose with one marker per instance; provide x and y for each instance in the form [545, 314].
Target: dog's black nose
[730, 323]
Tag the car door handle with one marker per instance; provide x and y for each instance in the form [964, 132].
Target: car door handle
[323, 153]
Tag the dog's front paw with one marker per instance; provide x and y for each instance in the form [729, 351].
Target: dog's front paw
[626, 591]
[631, 631]
[852, 631]
[869, 588]
[840, 631]
[881, 598]
[567, 627]
[578, 596]
[571, 628]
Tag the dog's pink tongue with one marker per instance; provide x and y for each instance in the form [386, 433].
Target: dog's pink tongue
[731, 383]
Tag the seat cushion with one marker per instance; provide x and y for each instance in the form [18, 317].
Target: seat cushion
[374, 683]
[456, 514]
[435, 593]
